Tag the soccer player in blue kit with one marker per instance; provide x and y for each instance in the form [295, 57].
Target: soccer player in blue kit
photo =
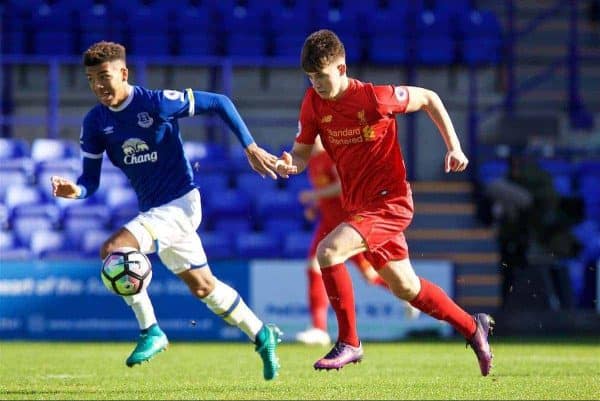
[138, 129]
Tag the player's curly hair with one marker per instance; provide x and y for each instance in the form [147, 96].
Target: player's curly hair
[101, 52]
[320, 49]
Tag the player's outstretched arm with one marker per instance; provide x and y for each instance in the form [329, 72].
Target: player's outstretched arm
[64, 188]
[420, 98]
[295, 161]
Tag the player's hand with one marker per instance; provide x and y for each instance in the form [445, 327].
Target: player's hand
[455, 161]
[64, 188]
[261, 161]
[307, 196]
[284, 166]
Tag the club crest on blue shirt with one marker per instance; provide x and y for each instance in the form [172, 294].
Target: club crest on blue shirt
[144, 119]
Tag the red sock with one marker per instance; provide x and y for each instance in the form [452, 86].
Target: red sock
[435, 302]
[341, 296]
[317, 300]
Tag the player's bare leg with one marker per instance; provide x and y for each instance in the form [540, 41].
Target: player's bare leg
[431, 299]
[225, 302]
[152, 339]
[342, 243]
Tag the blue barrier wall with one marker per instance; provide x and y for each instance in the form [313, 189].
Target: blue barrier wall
[66, 300]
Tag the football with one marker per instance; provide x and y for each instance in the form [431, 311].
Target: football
[126, 271]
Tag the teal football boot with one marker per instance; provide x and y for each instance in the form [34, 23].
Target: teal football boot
[266, 342]
[150, 343]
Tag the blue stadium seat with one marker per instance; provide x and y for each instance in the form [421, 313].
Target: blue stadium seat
[298, 183]
[290, 24]
[46, 210]
[282, 226]
[24, 227]
[85, 208]
[11, 177]
[212, 181]
[110, 178]
[4, 216]
[15, 21]
[218, 245]
[7, 240]
[75, 226]
[121, 197]
[145, 38]
[18, 195]
[435, 40]
[92, 240]
[54, 24]
[44, 149]
[491, 170]
[388, 34]
[258, 245]
[232, 225]
[196, 27]
[481, 36]
[206, 156]
[296, 244]
[43, 241]
[277, 204]
[345, 19]
[252, 184]
[11, 148]
[229, 203]
[245, 25]
[96, 23]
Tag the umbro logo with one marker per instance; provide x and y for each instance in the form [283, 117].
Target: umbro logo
[108, 130]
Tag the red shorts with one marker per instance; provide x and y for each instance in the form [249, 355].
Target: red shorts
[382, 225]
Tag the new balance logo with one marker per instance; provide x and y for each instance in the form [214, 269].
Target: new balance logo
[326, 119]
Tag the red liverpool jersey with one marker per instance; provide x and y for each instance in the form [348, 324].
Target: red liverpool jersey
[359, 132]
[321, 172]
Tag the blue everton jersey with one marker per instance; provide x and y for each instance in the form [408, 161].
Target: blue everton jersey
[142, 138]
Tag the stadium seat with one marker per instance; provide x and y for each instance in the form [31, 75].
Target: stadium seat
[296, 244]
[24, 227]
[144, 39]
[282, 226]
[196, 26]
[229, 203]
[206, 156]
[252, 184]
[47, 210]
[20, 195]
[4, 216]
[96, 24]
[481, 37]
[75, 226]
[7, 240]
[245, 25]
[15, 21]
[92, 241]
[11, 177]
[290, 23]
[54, 24]
[491, 170]
[232, 225]
[110, 178]
[297, 183]
[43, 149]
[277, 204]
[388, 33]
[211, 181]
[218, 245]
[85, 208]
[46, 240]
[258, 245]
[121, 197]
[345, 19]
[11, 148]
[435, 40]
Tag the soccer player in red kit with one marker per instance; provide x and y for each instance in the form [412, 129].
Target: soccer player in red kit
[357, 125]
[324, 201]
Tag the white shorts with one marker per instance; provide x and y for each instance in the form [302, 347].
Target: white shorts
[170, 231]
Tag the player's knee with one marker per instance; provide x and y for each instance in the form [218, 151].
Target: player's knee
[202, 286]
[405, 290]
[327, 254]
[108, 247]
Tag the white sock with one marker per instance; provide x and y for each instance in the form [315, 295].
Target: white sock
[227, 303]
[143, 309]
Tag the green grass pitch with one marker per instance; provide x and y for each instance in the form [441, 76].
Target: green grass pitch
[559, 369]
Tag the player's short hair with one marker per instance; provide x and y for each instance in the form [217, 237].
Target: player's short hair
[320, 49]
[101, 52]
